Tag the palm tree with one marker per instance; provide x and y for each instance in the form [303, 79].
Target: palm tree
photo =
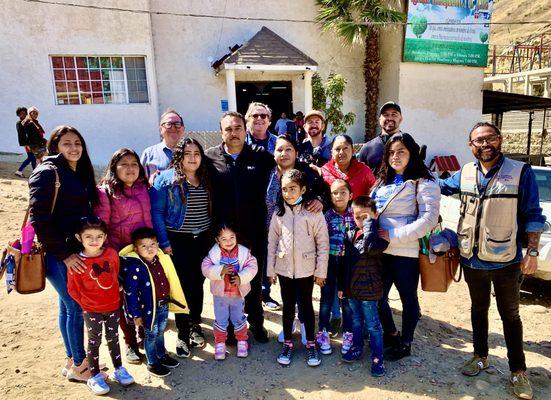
[356, 22]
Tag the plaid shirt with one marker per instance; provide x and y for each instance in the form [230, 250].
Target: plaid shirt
[338, 226]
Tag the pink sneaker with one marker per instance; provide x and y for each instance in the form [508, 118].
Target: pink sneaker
[346, 342]
[220, 351]
[242, 348]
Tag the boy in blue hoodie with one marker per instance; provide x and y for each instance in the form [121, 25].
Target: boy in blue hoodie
[361, 282]
[152, 289]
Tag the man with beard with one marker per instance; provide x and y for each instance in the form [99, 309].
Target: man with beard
[239, 175]
[499, 207]
[390, 118]
[316, 147]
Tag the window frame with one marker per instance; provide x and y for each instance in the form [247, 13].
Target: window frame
[127, 94]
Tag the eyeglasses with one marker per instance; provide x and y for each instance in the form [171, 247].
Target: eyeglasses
[169, 125]
[492, 139]
[261, 116]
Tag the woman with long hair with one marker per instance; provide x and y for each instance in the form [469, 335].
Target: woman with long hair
[181, 215]
[408, 203]
[124, 206]
[56, 220]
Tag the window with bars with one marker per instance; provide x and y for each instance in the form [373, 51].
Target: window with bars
[99, 80]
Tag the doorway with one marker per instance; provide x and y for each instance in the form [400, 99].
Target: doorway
[278, 95]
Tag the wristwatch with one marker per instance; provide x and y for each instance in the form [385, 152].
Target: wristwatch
[533, 253]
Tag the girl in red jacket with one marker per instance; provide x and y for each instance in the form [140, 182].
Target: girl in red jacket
[124, 206]
[96, 290]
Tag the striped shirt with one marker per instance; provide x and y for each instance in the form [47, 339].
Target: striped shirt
[197, 217]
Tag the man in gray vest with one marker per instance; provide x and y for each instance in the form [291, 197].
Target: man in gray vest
[499, 207]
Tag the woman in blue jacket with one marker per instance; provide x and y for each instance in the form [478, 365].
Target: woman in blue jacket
[181, 216]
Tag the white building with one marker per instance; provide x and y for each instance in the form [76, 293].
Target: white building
[111, 67]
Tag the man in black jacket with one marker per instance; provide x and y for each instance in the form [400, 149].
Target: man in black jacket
[390, 118]
[21, 112]
[239, 174]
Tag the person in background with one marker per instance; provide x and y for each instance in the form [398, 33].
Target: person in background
[56, 220]
[390, 119]
[21, 112]
[157, 158]
[258, 117]
[124, 205]
[281, 124]
[316, 147]
[299, 125]
[499, 206]
[35, 134]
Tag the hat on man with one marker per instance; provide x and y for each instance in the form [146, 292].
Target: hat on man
[390, 104]
[314, 113]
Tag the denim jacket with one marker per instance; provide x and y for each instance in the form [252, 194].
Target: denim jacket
[167, 208]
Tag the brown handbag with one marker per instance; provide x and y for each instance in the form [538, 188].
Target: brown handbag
[438, 276]
[30, 269]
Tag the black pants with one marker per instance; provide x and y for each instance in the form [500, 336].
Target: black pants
[506, 283]
[297, 291]
[94, 323]
[253, 300]
[188, 253]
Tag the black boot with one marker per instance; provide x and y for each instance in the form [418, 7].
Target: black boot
[391, 340]
[230, 339]
[398, 352]
[260, 334]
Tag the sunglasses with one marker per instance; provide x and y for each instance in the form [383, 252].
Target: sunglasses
[261, 116]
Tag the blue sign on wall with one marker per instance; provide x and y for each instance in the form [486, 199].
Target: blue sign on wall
[224, 105]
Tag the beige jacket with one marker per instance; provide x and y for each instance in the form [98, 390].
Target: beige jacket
[298, 244]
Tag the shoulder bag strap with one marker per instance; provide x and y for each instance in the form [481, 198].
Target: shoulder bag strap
[56, 190]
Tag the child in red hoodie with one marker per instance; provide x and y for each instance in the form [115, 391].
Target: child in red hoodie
[96, 290]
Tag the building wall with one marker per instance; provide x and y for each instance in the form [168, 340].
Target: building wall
[440, 104]
[31, 32]
[186, 46]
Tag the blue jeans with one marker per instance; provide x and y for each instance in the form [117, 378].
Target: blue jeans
[154, 340]
[31, 159]
[365, 312]
[404, 273]
[328, 293]
[71, 321]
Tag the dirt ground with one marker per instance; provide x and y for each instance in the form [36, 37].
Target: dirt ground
[32, 354]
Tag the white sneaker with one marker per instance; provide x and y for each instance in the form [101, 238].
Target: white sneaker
[242, 349]
[97, 385]
[19, 174]
[122, 376]
[324, 342]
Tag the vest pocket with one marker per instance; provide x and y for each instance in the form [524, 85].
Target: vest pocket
[497, 244]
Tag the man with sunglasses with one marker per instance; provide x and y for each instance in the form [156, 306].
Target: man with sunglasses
[156, 158]
[499, 207]
[258, 117]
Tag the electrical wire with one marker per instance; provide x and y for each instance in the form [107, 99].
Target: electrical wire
[265, 19]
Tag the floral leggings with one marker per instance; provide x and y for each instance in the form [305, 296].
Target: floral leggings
[94, 323]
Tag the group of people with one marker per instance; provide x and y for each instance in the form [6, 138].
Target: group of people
[259, 210]
[30, 135]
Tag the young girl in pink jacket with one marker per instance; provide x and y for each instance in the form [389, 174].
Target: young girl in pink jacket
[230, 267]
[124, 206]
[298, 252]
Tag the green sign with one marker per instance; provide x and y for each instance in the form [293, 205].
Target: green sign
[448, 32]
